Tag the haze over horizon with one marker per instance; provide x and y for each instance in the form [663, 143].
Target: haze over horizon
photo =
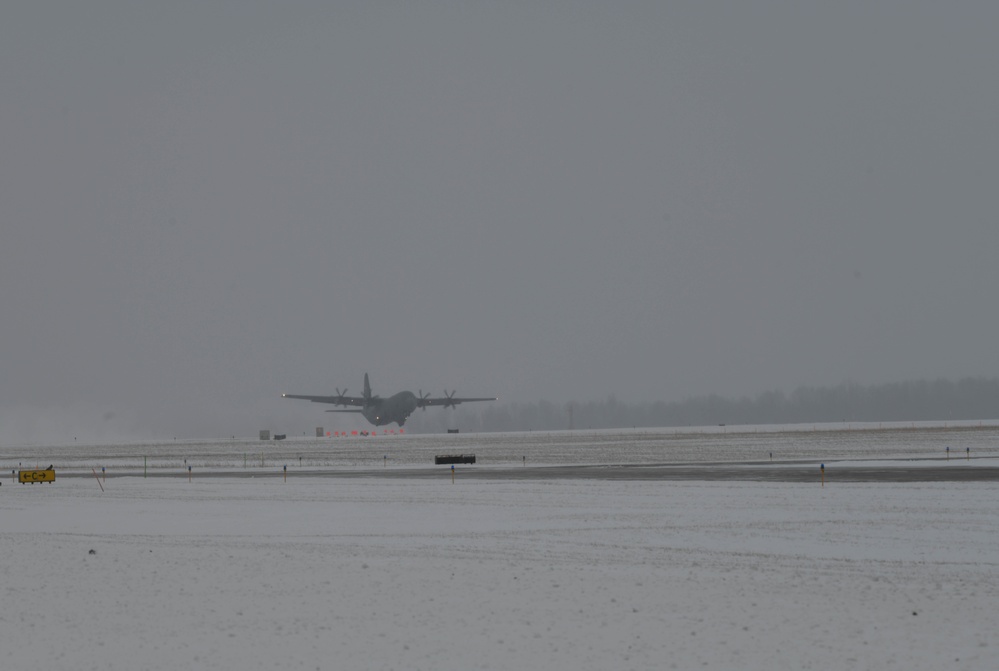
[204, 205]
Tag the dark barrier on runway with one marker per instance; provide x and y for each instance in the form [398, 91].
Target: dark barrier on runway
[454, 459]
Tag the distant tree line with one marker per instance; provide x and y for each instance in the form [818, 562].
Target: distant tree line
[921, 400]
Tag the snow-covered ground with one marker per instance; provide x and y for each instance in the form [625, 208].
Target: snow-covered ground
[325, 573]
[400, 573]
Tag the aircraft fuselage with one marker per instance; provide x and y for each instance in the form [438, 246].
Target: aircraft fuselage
[396, 408]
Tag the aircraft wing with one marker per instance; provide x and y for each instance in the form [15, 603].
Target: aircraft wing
[357, 401]
[447, 401]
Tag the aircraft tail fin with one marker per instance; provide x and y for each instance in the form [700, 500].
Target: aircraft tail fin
[367, 387]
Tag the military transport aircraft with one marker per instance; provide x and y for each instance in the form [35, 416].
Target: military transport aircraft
[396, 408]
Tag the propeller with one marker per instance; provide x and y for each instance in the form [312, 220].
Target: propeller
[422, 402]
[341, 395]
[448, 403]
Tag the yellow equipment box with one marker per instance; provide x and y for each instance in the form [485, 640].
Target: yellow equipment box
[47, 475]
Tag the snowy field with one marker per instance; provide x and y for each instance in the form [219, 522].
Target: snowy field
[397, 573]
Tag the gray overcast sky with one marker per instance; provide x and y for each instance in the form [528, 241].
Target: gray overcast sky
[204, 204]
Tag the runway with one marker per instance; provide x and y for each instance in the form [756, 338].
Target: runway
[788, 454]
[902, 471]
